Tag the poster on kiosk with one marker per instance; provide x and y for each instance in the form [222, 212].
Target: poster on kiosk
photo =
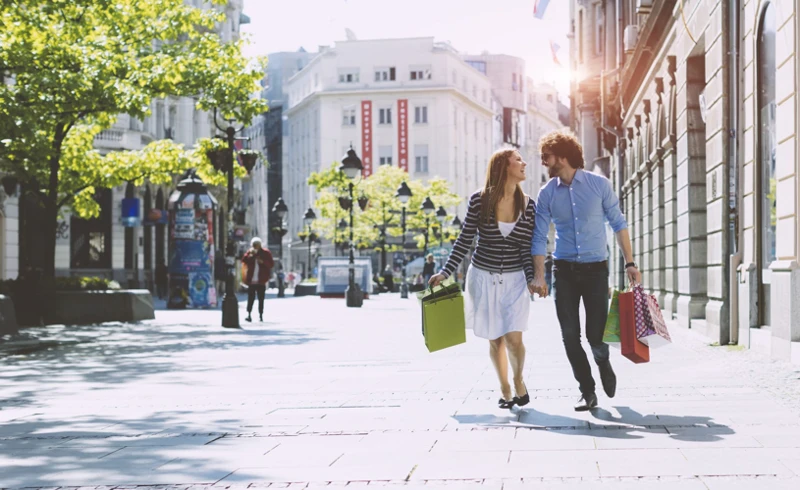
[192, 212]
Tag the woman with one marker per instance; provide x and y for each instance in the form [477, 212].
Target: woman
[500, 275]
[258, 262]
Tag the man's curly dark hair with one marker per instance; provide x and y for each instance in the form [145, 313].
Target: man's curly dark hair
[563, 144]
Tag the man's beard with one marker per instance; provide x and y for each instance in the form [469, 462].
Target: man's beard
[553, 170]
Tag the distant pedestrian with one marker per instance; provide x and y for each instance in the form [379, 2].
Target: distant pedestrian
[258, 263]
[162, 278]
[429, 268]
[388, 279]
[220, 272]
[501, 272]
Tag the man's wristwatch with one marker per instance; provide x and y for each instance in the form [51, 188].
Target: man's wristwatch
[630, 264]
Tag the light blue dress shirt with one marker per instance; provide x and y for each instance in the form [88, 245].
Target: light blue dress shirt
[579, 211]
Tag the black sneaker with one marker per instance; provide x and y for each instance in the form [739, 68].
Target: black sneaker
[587, 402]
[609, 379]
[248, 319]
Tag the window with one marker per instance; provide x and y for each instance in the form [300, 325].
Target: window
[599, 38]
[349, 117]
[455, 78]
[385, 155]
[421, 114]
[90, 246]
[514, 82]
[474, 92]
[478, 65]
[767, 145]
[420, 73]
[421, 158]
[464, 84]
[484, 96]
[465, 123]
[455, 118]
[476, 127]
[385, 74]
[348, 75]
[385, 116]
[580, 36]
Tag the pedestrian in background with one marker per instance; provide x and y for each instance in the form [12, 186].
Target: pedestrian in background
[500, 276]
[579, 203]
[220, 273]
[162, 278]
[258, 264]
[429, 269]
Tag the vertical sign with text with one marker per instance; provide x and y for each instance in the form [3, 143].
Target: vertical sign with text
[366, 137]
[402, 133]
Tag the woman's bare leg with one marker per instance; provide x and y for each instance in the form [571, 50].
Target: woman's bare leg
[516, 353]
[497, 351]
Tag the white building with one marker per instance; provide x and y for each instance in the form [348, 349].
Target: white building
[541, 118]
[408, 102]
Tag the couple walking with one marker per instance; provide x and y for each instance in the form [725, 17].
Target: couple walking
[508, 263]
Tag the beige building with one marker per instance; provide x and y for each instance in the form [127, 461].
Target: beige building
[698, 116]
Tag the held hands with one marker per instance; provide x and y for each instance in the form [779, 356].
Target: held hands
[435, 280]
[538, 286]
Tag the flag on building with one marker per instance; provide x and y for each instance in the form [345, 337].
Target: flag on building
[539, 6]
[554, 50]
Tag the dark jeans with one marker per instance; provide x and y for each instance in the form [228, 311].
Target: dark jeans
[589, 282]
[251, 297]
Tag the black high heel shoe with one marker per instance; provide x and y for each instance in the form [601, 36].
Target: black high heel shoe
[524, 399]
[506, 404]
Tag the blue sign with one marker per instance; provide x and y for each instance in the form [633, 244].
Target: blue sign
[130, 212]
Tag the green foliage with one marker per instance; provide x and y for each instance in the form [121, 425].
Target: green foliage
[380, 189]
[11, 287]
[71, 66]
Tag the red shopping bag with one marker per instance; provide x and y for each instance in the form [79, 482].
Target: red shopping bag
[651, 329]
[630, 345]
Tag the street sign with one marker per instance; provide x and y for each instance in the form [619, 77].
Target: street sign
[440, 253]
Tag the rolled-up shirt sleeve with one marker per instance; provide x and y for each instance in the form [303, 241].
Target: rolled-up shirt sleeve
[613, 214]
[542, 223]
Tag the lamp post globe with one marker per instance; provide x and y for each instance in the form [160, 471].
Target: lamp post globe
[280, 209]
[351, 167]
[403, 195]
[441, 217]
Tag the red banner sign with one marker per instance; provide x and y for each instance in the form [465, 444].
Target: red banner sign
[402, 133]
[366, 137]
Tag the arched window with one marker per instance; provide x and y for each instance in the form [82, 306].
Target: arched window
[765, 99]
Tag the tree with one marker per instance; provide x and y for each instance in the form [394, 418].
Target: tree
[71, 66]
[379, 189]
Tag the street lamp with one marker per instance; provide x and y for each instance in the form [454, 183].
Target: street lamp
[351, 167]
[403, 195]
[441, 216]
[308, 220]
[280, 210]
[223, 161]
[427, 208]
[341, 227]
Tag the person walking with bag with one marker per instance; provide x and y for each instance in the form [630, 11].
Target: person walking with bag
[258, 263]
[500, 276]
[579, 203]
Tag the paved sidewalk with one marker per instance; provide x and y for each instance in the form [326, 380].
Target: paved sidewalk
[324, 396]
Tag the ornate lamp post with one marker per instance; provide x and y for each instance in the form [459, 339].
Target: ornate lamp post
[403, 195]
[441, 216]
[308, 220]
[341, 227]
[223, 161]
[427, 208]
[280, 210]
[351, 167]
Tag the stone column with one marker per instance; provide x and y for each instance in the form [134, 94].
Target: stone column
[658, 196]
[669, 168]
[691, 192]
[646, 265]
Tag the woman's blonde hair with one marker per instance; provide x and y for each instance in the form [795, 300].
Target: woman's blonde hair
[496, 177]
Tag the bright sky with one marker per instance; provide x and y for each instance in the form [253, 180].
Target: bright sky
[471, 26]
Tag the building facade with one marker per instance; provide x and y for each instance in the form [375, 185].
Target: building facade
[413, 103]
[698, 120]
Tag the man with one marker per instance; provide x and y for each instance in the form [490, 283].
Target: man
[578, 203]
[258, 263]
[220, 273]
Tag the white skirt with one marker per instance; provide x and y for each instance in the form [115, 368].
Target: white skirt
[495, 308]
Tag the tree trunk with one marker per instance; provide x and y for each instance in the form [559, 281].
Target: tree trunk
[49, 237]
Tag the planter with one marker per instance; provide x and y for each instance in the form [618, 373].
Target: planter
[8, 317]
[305, 290]
[89, 307]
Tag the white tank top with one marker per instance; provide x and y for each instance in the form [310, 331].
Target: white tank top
[506, 228]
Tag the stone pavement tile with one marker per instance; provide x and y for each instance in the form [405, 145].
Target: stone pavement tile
[728, 461]
[792, 464]
[294, 456]
[606, 484]
[778, 440]
[155, 440]
[387, 471]
[672, 438]
[553, 440]
[549, 464]
[476, 440]
[411, 441]
[639, 463]
[463, 465]
[757, 483]
[532, 417]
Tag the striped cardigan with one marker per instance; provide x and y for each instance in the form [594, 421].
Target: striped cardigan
[494, 252]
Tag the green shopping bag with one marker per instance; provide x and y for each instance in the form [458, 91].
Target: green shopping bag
[443, 323]
[611, 332]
